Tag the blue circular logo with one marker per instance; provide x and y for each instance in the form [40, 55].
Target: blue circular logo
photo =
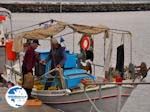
[16, 96]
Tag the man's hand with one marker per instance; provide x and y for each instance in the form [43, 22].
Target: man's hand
[58, 66]
[43, 62]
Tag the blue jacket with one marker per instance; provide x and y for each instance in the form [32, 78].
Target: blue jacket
[57, 56]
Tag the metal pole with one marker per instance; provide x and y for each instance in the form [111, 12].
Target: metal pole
[131, 50]
[73, 42]
[104, 54]
[100, 92]
[11, 27]
[104, 48]
[94, 69]
[60, 6]
[11, 71]
[119, 98]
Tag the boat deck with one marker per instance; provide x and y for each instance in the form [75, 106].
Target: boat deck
[139, 100]
[4, 107]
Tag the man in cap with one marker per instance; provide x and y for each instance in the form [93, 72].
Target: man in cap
[57, 56]
[29, 61]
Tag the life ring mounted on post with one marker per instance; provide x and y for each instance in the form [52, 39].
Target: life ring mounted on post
[85, 42]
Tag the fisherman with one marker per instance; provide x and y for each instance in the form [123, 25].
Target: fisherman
[87, 60]
[57, 56]
[30, 58]
[142, 70]
[27, 45]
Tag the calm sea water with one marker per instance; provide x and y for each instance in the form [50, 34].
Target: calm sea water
[138, 23]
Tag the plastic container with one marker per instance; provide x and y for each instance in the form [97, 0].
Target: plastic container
[118, 79]
[74, 79]
[71, 61]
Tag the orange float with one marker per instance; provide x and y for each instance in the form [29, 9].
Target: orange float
[85, 42]
[11, 55]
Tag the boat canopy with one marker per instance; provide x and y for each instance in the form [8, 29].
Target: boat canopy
[88, 29]
[52, 30]
[43, 33]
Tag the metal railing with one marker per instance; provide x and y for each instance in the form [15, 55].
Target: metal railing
[13, 73]
[96, 65]
[119, 95]
[47, 75]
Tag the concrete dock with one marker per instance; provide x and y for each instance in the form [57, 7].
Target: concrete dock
[139, 100]
[4, 107]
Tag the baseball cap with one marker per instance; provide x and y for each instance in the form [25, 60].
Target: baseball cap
[36, 41]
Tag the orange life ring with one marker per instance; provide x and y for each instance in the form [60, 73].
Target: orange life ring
[85, 42]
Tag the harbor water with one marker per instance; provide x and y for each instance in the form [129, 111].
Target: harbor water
[136, 22]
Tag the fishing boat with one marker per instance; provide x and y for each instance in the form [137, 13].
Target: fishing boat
[73, 95]
[5, 18]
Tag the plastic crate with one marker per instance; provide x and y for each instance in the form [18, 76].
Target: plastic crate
[71, 61]
[73, 81]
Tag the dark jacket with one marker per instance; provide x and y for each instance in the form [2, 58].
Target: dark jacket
[57, 56]
[29, 61]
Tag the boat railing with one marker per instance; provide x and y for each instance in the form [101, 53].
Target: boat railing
[13, 70]
[119, 93]
[96, 65]
[14, 73]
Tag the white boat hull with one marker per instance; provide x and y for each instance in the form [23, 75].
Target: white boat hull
[78, 102]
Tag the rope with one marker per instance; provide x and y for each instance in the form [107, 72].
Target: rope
[51, 20]
[97, 65]
[55, 69]
[92, 103]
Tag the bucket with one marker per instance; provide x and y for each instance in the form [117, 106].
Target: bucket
[118, 79]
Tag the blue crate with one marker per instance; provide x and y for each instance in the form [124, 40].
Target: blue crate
[71, 61]
[74, 76]
[73, 81]
[74, 71]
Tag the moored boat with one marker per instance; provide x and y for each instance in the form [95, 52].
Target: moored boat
[72, 95]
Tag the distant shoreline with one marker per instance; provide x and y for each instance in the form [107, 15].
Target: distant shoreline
[55, 8]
